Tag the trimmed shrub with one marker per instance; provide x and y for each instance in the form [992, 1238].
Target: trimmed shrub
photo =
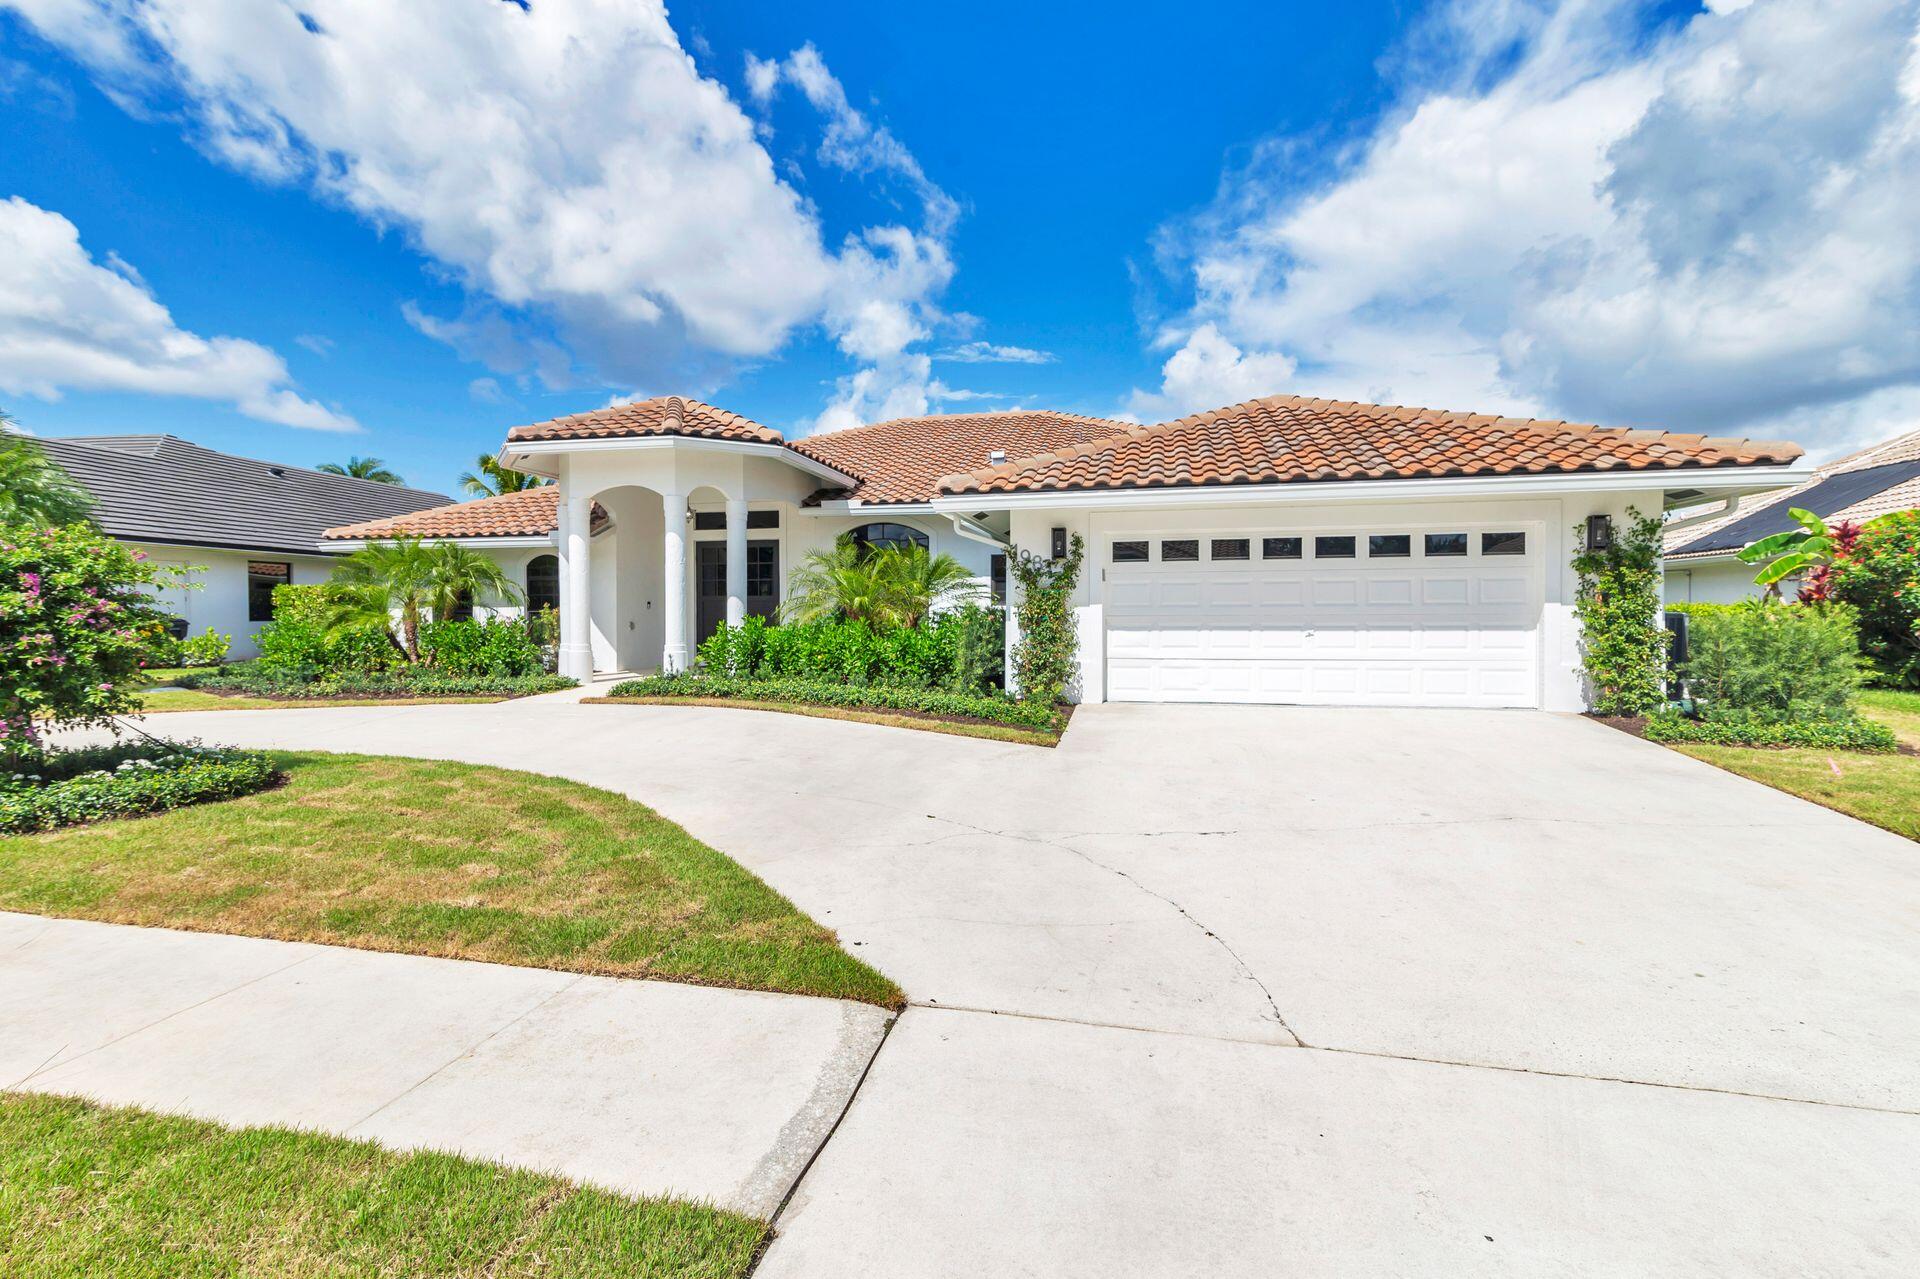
[126, 779]
[209, 649]
[943, 653]
[1046, 657]
[249, 678]
[1623, 645]
[496, 646]
[1788, 663]
[299, 641]
[998, 709]
[1880, 578]
[1740, 728]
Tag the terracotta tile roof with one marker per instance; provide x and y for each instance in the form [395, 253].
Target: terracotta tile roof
[662, 415]
[1904, 496]
[529, 513]
[1284, 439]
[904, 460]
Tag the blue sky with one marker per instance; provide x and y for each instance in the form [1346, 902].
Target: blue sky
[302, 231]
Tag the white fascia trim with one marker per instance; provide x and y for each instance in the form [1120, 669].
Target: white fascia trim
[1747, 479]
[792, 457]
[973, 532]
[472, 543]
[844, 507]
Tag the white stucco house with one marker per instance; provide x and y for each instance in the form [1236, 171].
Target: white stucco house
[1283, 550]
[1701, 554]
[235, 526]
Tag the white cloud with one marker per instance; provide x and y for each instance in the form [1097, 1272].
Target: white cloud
[486, 390]
[315, 342]
[612, 212]
[1710, 228]
[1208, 371]
[71, 323]
[989, 353]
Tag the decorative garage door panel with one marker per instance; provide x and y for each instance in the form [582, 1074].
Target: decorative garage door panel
[1414, 633]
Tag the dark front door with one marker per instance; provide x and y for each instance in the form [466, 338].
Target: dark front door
[710, 571]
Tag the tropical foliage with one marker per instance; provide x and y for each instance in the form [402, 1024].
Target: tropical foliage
[33, 488]
[490, 479]
[398, 584]
[76, 624]
[885, 586]
[1810, 547]
[1623, 646]
[363, 468]
[1046, 655]
[1879, 578]
[1739, 728]
[946, 652]
[307, 636]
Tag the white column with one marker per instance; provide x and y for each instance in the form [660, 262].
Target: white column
[576, 541]
[736, 561]
[674, 509]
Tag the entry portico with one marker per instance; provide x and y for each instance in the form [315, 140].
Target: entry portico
[675, 458]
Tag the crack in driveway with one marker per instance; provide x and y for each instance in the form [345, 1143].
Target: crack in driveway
[1245, 968]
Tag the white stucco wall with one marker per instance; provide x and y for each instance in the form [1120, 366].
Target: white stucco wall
[1551, 520]
[1722, 580]
[213, 592]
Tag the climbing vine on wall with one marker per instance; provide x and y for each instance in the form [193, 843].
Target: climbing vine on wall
[1046, 656]
[1623, 643]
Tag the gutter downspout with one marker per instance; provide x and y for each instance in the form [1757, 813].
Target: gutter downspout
[975, 533]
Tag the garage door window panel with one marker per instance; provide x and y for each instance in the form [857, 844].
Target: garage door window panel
[1180, 550]
[1503, 543]
[1280, 548]
[1225, 549]
[1445, 545]
[1130, 553]
[1334, 548]
[1389, 546]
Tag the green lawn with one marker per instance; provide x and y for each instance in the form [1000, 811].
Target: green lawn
[89, 1191]
[1882, 789]
[160, 700]
[442, 859]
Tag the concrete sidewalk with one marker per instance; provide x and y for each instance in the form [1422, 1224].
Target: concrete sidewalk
[648, 1088]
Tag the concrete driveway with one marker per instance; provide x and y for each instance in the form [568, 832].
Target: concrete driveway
[1235, 990]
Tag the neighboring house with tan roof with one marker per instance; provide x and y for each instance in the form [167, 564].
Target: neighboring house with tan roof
[1283, 550]
[236, 526]
[1702, 563]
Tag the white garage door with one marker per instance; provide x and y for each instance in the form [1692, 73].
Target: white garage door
[1445, 616]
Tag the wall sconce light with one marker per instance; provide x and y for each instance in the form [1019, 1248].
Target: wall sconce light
[1059, 544]
[1599, 532]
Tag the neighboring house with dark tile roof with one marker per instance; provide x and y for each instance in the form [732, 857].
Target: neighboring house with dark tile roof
[240, 525]
[1281, 550]
[1702, 565]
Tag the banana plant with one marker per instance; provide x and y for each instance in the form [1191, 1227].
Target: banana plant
[1797, 550]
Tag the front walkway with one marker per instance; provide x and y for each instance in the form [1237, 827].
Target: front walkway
[1231, 991]
[649, 1088]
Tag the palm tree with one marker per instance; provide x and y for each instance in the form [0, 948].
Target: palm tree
[491, 479]
[892, 586]
[459, 575]
[914, 583]
[385, 582]
[33, 488]
[363, 468]
[837, 583]
[406, 580]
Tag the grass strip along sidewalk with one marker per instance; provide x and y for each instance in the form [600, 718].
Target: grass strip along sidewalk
[89, 1191]
[436, 858]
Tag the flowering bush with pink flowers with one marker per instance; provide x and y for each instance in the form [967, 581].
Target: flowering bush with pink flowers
[77, 616]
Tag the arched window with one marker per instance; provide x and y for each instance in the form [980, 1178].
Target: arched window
[879, 537]
[543, 583]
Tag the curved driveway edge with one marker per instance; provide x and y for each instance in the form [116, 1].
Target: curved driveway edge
[642, 1087]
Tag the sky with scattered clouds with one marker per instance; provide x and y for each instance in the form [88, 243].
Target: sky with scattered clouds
[301, 228]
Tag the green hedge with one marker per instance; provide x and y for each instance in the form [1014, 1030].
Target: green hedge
[126, 779]
[299, 642]
[251, 679]
[1733, 728]
[961, 651]
[1795, 663]
[495, 646]
[998, 709]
